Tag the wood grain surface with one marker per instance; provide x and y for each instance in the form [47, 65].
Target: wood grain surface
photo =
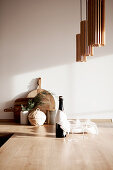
[36, 148]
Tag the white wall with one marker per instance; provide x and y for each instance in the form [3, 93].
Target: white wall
[37, 39]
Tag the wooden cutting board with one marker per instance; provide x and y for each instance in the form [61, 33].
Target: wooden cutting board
[49, 102]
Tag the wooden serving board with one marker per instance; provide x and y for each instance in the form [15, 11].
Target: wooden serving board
[49, 102]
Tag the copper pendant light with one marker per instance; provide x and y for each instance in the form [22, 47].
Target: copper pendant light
[96, 23]
[92, 28]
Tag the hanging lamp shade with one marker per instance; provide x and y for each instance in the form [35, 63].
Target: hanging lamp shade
[85, 49]
[92, 28]
[79, 56]
[78, 51]
[103, 22]
[96, 23]
[82, 38]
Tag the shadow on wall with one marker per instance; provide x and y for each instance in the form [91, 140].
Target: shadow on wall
[40, 34]
[32, 85]
[36, 35]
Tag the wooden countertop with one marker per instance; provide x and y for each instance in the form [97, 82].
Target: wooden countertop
[36, 148]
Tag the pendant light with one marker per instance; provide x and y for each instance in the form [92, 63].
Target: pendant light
[96, 23]
[92, 28]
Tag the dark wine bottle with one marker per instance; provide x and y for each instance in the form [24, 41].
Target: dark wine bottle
[59, 131]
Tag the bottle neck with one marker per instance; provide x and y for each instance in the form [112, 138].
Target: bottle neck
[61, 104]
